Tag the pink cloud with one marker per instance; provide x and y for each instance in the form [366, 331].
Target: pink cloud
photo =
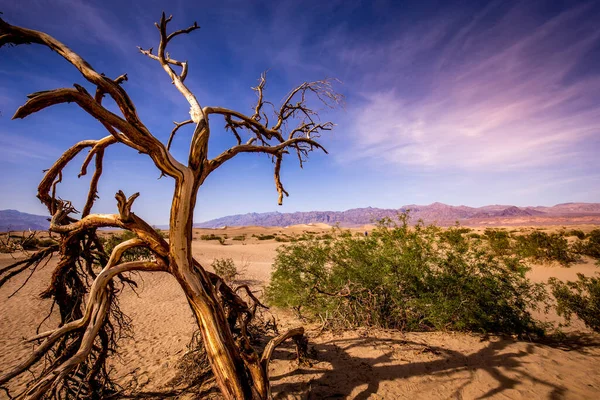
[492, 101]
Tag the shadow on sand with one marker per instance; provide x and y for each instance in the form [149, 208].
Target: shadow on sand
[346, 372]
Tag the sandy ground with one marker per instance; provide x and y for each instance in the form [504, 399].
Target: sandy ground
[356, 365]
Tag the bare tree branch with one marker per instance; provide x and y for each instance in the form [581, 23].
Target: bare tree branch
[132, 127]
[174, 131]
[82, 284]
[141, 141]
[199, 143]
[300, 139]
[273, 150]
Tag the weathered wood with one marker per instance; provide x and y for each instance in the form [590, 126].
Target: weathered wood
[240, 372]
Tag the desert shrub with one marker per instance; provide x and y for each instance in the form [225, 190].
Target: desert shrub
[30, 243]
[455, 237]
[590, 246]
[239, 238]
[7, 245]
[581, 298]
[579, 234]
[163, 234]
[46, 242]
[594, 235]
[541, 246]
[499, 241]
[134, 254]
[14, 242]
[283, 239]
[212, 236]
[225, 268]
[406, 278]
[265, 237]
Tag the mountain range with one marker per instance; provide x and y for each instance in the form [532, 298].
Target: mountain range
[13, 220]
[439, 213]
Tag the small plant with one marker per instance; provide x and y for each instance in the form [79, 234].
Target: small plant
[212, 236]
[265, 237]
[225, 268]
[46, 242]
[239, 238]
[16, 242]
[134, 254]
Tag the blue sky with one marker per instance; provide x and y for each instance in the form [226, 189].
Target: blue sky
[459, 102]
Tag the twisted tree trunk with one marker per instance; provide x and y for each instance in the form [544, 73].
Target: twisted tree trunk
[218, 340]
[73, 348]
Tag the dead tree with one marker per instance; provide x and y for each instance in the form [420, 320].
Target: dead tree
[83, 284]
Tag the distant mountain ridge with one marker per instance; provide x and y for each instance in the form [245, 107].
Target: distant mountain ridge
[439, 213]
[13, 220]
[442, 214]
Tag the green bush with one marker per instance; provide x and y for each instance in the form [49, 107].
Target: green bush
[590, 246]
[212, 236]
[163, 234]
[134, 254]
[30, 243]
[581, 298]
[419, 278]
[265, 237]
[225, 268]
[46, 242]
[239, 238]
[499, 241]
[544, 247]
[579, 234]
[21, 242]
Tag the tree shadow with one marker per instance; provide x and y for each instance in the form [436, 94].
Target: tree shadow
[347, 372]
[578, 342]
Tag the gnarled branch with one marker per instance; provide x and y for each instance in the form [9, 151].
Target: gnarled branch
[199, 143]
[83, 294]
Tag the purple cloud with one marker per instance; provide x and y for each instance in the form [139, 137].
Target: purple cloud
[493, 100]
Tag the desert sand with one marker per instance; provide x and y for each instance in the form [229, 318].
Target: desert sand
[361, 364]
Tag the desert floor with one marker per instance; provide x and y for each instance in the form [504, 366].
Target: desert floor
[362, 364]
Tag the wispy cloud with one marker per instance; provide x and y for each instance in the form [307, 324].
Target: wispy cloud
[16, 149]
[484, 98]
